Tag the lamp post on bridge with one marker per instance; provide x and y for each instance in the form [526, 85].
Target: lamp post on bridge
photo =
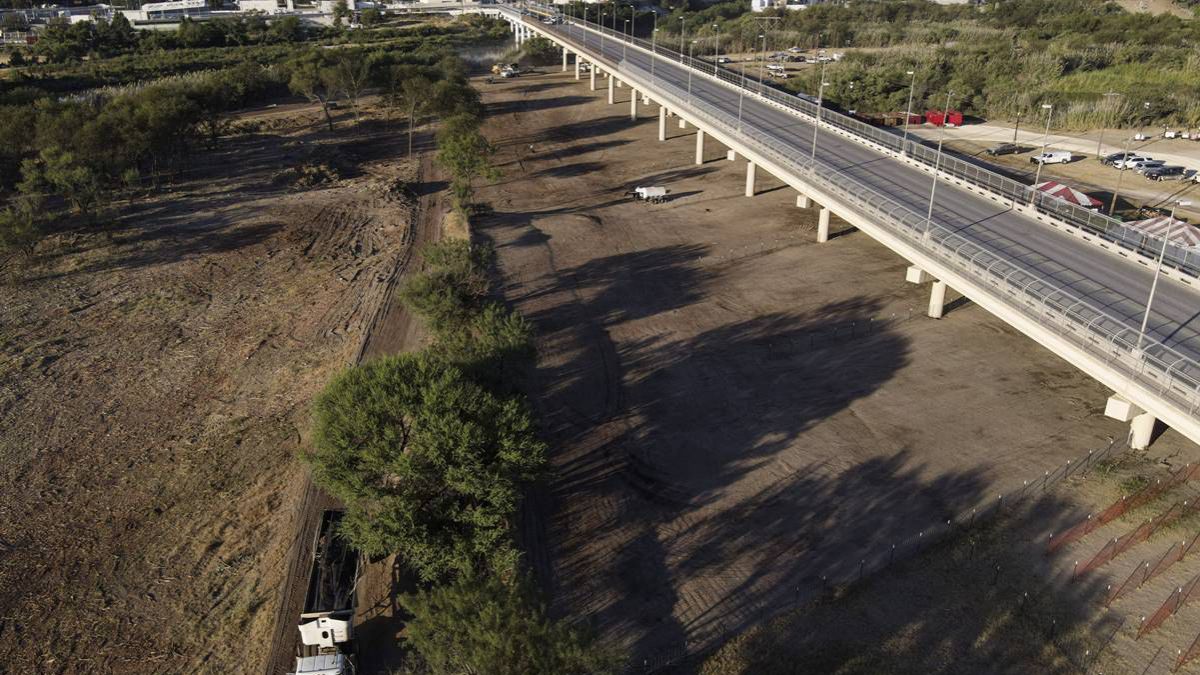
[1037, 176]
[717, 49]
[653, 48]
[1137, 351]
[912, 85]
[820, 103]
[691, 48]
[936, 163]
[625, 43]
[681, 32]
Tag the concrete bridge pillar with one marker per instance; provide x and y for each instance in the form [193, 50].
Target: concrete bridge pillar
[662, 123]
[750, 169]
[1141, 423]
[731, 155]
[592, 75]
[682, 123]
[916, 275]
[564, 50]
[645, 98]
[611, 99]
[576, 67]
[802, 201]
[699, 146]
[620, 84]
[823, 225]
[937, 300]
[633, 105]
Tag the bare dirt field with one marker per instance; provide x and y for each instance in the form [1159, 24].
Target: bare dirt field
[738, 412]
[155, 389]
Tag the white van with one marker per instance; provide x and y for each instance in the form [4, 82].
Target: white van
[1052, 157]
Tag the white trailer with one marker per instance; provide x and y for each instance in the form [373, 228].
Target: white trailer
[654, 194]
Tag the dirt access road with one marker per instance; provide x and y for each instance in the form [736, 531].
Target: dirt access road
[155, 389]
[735, 410]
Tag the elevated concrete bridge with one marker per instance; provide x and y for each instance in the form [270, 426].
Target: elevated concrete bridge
[1076, 284]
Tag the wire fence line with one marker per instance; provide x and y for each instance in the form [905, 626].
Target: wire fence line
[1184, 259]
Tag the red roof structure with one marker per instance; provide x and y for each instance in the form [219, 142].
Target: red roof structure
[1069, 194]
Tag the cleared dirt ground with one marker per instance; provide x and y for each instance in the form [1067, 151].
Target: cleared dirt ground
[155, 389]
[737, 411]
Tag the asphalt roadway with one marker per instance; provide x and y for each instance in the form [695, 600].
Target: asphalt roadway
[1117, 286]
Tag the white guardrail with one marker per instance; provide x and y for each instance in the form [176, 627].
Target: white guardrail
[1158, 368]
[1183, 259]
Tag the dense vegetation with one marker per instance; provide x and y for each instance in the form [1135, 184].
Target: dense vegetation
[999, 59]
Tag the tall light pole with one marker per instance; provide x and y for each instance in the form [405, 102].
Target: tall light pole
[936, 164]
[653, 48]
[1100, 142]
[1037, 176]
[1120, 176]
[600, 18]
[717, 48]
[1137, 351]
[625, 43]
[820, 99]
[681, 33]
[691, 48]
[912, 85]
[762, 65]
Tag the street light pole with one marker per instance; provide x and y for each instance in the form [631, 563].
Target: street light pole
[691, 48]
[653, 48]
[936, 163]
[820, 98]
[1120, 176]
[762, 65]
[681, 33]
[1100, 142]
[912, 85]
[1137, 351]
[717, 53]
[1037, 176]
[625, 43]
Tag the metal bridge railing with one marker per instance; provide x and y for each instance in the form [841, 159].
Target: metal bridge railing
[1158, 367]
[1181, 258]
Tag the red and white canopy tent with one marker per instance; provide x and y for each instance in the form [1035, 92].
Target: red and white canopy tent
[1182, 234]
[1069, 194]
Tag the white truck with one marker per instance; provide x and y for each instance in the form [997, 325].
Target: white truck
[1052, 157]
[654, 194]
[327, 623]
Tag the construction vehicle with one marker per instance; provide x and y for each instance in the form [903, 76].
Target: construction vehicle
[327, 624]
[654, 195]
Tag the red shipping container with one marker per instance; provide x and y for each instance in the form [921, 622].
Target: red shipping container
[953, 118]
[934, 117]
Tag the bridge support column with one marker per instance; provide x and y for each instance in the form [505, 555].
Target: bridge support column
[699, 146]
[564, 59]
[645, 98]
[823, 225]
[682, 123]
[937, 300]
[611, 99]
[1141, 430]
[1141, 423]
[620, 84]
[750, 169]
[633, 105]
[576, 67]
[731, 155]
[916, 275]
[592, 75]
[662, 123]
[802, 201]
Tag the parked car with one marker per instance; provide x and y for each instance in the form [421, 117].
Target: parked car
[1152, 164]
[776, 70]
[1052, 157]
[724, 59]
[1135, 164]
[1170, 134]
[1130, 162]
[1004, 149]
[1168, 173]
[1110, 160]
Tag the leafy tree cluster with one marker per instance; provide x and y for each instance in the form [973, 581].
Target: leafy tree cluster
[483, 625]
[1000, 58]
[78, 152]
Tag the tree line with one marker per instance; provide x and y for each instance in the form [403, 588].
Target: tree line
[430, 452]
[999, 59]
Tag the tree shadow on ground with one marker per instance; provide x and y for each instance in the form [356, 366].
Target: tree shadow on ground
[534, 105]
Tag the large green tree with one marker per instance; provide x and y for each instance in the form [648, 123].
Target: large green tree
[464, 151]
[429, 463]
[484, 625]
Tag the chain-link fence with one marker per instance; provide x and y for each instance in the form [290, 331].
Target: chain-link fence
[1184, 259]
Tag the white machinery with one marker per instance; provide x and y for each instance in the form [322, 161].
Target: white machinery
[654, 194]
[327, 623]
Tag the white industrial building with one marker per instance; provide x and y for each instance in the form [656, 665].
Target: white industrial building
[763, 5]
